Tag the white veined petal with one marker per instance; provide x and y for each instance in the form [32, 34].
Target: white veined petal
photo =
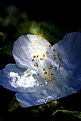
[27, 48]
[27, 100]
[23, 81]
[66, 83]
[32, 99]
[17, 79]
[69, 48]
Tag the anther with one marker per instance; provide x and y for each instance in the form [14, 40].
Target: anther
[55, 57]
[37, 56]
[43, 55]
[47, 52]
[32, 59]
[50, 45]
[41, 58]
[60, 59]
[36, 65]
[44, 69]
[34, 56]
[50, 67]
[45, 72]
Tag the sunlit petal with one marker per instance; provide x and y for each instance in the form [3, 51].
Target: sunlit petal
[29, 49]
[17, 79]
[65, 83]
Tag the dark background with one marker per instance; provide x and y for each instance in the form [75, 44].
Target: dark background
[64, 13]
[67, 16]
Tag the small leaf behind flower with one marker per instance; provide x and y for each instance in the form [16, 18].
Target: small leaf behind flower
[13, 105]
[67, 114]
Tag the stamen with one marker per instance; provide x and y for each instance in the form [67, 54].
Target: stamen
[45, 72]
[60, 59]
[36, 65]
[50, 67]
[34, 56]
[37, 56]
[50, 45]
[47, 52]
[55, 57]
[43, 55]
[44, 69]
[32, 59]
[41, 58]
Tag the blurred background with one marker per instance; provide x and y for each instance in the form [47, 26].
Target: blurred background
[52, 21]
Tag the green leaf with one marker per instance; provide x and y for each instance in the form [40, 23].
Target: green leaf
[14, 104]
[68, 114]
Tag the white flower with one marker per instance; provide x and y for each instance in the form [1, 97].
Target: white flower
[43, 72]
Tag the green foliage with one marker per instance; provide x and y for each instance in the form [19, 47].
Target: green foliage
[66, 115]
[14, 104]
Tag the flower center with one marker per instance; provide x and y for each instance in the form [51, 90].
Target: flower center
[47, 64]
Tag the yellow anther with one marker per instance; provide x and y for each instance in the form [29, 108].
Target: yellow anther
[50, 67]
[45, 72]
[60, 59]
[43, 55]
[47, 52]
[37, 56]
[32, 59]
[44, 69]
[50, 45]
[34, 56]
[41, 58]
[36, 65]
[55, 57]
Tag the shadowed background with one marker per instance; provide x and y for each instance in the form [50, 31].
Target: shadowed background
[52, 21]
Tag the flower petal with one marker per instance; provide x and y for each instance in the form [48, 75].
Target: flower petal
[17, 79]
[27, 49]
[64, 85]
[32, 99]
[69, 48]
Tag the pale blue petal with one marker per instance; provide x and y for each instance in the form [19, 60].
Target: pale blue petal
[16, 79]
[28, 46]
[70, 49]
[65, 84]
[32, 99]
[4, 76]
